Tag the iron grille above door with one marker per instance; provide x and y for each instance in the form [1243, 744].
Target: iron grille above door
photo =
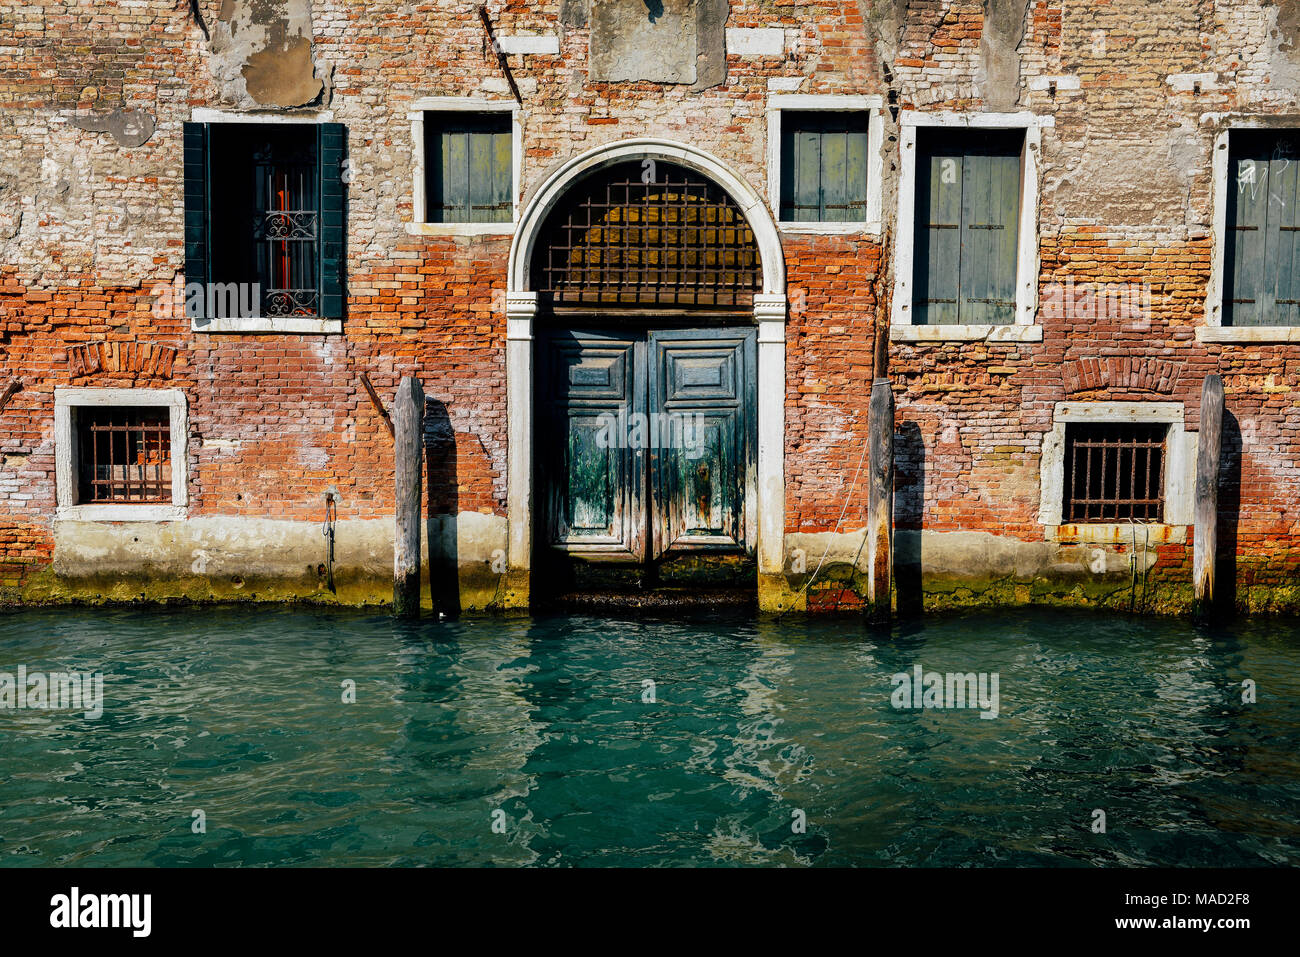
[647, 234]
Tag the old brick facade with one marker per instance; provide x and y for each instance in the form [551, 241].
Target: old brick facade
[1129, 97]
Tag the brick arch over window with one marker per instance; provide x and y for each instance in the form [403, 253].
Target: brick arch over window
[649, 233]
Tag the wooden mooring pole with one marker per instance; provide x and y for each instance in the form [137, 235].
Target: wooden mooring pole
[1209, 447]
[408, 470]
[880, 500]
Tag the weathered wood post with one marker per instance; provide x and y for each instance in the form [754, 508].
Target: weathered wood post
[880, 500]
[1205, 546]
[408, 469]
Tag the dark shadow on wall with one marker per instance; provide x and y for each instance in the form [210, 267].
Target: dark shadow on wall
[909, 510]
[443, 506]
[1229, 517]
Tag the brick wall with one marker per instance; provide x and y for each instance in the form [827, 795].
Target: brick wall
[90, 229]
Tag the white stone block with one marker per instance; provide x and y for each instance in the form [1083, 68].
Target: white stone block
[757, 41]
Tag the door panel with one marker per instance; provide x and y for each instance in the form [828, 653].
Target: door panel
[591, 478]
[702, 473]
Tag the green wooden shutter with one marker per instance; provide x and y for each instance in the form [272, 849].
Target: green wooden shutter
[453, 197]
[1247, 227]
[1282, 251]
[936, 273]
[967, 211]
[501, 189]
[488, 175]
[990, 204]
[1261, 254]
[332, 150]
[823, 167]
[197, 265]
[855, 176]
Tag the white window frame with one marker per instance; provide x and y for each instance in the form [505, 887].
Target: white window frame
[285, 325]
[1180, 473]
[1213, 329]
[1025, 328]
[66, 400]
[419, 199]
[871, 106]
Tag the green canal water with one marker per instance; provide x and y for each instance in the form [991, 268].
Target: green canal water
[534, 742]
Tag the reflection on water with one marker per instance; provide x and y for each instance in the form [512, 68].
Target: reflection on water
[528, 742]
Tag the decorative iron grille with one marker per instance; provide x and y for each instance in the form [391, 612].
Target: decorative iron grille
[125, 454]
[678, 240]
[286, 229]
[1114, 472]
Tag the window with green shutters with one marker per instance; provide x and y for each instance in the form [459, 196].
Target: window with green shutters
[469, 167]
[1261, 252]
[823, 166]
[967, 216]
[265, 220]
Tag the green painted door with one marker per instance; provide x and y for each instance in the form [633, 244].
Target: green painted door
[646, 442]
[702, 388]
[592, 494]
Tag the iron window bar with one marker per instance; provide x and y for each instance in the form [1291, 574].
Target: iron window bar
[125, 455]
[286, 229]
[1114, 472]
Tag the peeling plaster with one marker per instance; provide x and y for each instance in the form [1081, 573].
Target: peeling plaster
[130, 128]
[262, 55]
[998, 75]
[660, 41]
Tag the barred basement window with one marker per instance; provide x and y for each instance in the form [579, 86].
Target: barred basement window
[469, 164]
[124, 455]
[1114, 472]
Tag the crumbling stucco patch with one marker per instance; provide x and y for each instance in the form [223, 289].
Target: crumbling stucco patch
[1141, 181]
[998, 74]
[1288, 24]
[886, 19]
[262, 54]
[660, 41]
[129, 128]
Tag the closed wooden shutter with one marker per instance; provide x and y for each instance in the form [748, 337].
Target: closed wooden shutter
[332, 149]
[1261, 255]
[197, 265]
[470, 168]
[967, 219]
[823, 167]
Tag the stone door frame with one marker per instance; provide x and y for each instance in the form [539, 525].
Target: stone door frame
[521, 309]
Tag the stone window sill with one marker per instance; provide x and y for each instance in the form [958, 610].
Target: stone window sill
[120, 513]
[832, 229]
[1117, 533]
[1248, 333]
[460, 229]
[276, 324]
[1007, 332]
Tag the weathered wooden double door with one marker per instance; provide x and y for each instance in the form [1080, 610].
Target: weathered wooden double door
[646, 442]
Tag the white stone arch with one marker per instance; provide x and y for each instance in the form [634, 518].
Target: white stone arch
[769, 314]
[553, 190]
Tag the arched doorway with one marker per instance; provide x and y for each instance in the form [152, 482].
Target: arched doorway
[645, 375]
